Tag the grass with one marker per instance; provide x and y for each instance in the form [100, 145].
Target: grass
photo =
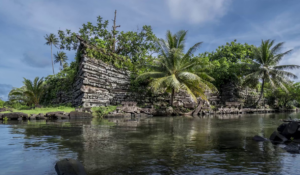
[44, 110]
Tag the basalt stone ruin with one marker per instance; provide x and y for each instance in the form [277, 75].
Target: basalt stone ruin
[101, 84]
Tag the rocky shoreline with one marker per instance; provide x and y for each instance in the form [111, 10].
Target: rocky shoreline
[58, 115]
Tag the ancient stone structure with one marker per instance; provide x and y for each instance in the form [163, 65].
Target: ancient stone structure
[101, 84]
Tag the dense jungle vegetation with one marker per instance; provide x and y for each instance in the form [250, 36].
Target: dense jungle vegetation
[165, 65]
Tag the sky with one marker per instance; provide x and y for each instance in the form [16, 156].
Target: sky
[24, 24]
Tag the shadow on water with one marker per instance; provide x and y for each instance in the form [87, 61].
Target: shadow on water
[165, 145]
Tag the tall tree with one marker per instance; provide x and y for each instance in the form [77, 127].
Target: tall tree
[61, 58]
[176, 71]
[114, 32]
[136, 45]
[52, 40]
[266, 68]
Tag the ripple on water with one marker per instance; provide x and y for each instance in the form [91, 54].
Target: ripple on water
[167, 145]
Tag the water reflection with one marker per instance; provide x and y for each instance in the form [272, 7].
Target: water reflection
[167, 145]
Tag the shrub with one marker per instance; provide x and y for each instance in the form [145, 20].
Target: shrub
[101, 111]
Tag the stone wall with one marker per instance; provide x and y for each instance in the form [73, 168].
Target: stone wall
[231, 92]
[100, 84]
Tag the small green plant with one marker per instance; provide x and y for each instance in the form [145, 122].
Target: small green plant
[156, 106]
[101, 111]
[5, 119]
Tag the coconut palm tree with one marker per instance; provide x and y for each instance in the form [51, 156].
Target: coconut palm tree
[60, 57]
[175, 40]
[175, 71]
[266, 68]
[30, 93]
[51, 40]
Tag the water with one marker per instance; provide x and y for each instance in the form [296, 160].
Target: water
[165, 145]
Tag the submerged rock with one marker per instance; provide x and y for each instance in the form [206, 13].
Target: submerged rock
[69, 167]
[259, 138]
[281, 127]
[292, 148]
[278, 138]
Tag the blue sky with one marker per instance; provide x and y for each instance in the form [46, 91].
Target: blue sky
[24, 24]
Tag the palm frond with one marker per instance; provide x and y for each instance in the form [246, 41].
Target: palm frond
[281, 67]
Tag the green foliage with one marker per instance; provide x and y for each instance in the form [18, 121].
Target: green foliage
[61, 58]
[175, 71]
[286, 99]
[229, 63]
[61, 82]
[1, 103]
[101, 111]
[265, 67]
[30, 93]
[5, 119]
[131, 47]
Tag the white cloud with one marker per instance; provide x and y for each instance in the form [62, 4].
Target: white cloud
[44, 16]
[198, 11]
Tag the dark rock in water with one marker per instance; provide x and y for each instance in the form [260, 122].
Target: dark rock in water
[1, 116]
[259, 138]
[291, 130]
[278, 138]
[52, 114]
[281, 127]
[292, 127]
[60, 116]
[75, 114]
[292, 148]
[69, 167]
[15, 115]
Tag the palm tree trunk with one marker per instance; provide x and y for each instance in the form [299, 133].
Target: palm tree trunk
[52, 61]
[60, 65]
[261, 91]
[172, 97]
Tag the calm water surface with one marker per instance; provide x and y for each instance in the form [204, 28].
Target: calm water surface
[166, 145]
